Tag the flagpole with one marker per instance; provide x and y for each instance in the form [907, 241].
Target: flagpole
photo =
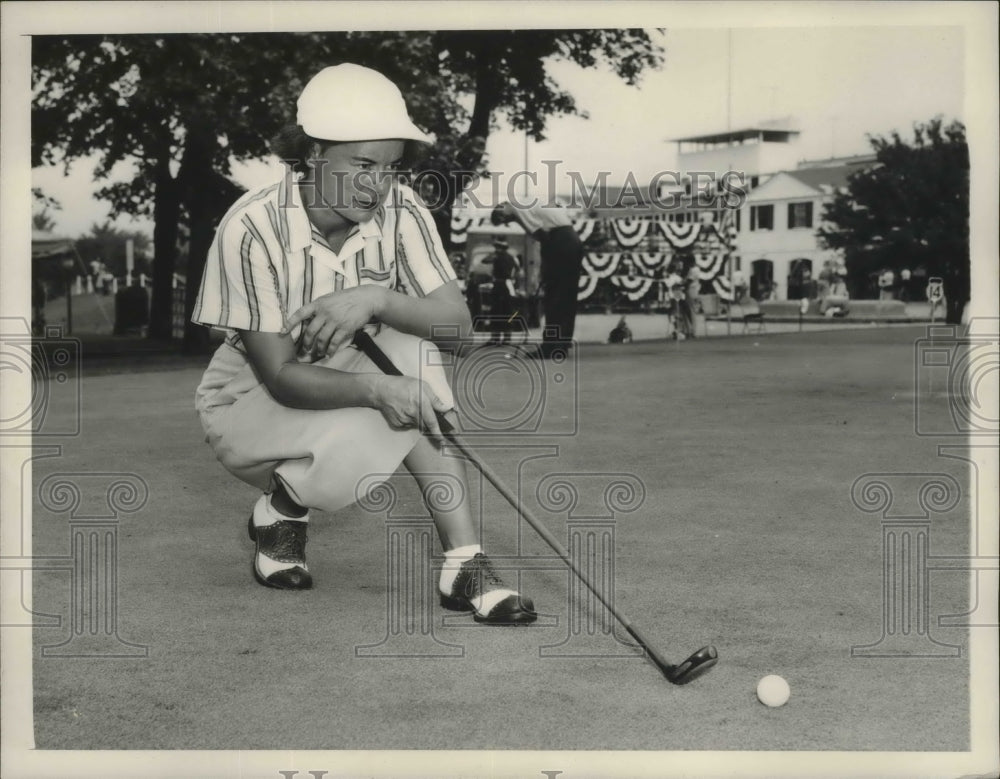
[732, 295]
[729, 128]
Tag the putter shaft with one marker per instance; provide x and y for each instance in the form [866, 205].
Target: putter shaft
[693, 667]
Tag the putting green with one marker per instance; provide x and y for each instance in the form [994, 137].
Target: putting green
[746, 538]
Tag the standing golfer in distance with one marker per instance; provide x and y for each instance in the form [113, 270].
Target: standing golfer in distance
[287, 403]
[562, 261]
[502, 297]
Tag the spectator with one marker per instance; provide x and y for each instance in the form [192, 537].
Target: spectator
[886, 282]
[502, 297]
[905, 282]
[834, 303]
[689, 302]
[562, 261]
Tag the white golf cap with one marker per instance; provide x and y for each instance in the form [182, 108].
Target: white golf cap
[352, 103]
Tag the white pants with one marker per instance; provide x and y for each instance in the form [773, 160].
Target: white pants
[322, 457]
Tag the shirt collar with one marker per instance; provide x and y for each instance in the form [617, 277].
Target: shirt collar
[296, 229]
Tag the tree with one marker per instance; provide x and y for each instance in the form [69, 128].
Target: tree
[182, 108]
[42, 220]
[910, 210]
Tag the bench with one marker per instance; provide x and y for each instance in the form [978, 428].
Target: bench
[749, 319]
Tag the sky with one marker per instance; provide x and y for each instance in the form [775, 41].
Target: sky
[835, 83]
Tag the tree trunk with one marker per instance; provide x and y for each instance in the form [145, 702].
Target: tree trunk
[470, 155]
[166, 213]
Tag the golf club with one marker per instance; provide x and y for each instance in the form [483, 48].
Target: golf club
[690, 669]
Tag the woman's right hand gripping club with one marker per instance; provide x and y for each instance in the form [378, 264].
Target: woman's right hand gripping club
[406, 402]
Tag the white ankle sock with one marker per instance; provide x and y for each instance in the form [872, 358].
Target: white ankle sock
[453, 559]
[265, 514]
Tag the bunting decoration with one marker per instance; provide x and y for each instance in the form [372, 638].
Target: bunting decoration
[727, 235]
[629, 231]
[709, 265]
[727, 229]
[722, 287]
[635, 287]
[586, 286]
[584, 228]
[601, 265]
[649, 262]
[680, 236]
[631, 253]
[460, 224]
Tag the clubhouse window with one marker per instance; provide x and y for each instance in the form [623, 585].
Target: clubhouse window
[800, 215]
[761, 217]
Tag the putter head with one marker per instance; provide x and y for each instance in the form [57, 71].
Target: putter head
[698, 664]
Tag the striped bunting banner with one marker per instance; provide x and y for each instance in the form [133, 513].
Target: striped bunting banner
[629, 232]
[680, 236]
[722, 287]
[460, 224]
[586, 286]
[635, 286]
[710, 265]
[649, 262]
[601, 265]
[584, 228]
[727, 229]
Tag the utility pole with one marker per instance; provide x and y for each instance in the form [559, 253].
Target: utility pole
[525, 177]
[729, 79]
[729, 128]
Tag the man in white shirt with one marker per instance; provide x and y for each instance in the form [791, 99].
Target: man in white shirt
[562, 261]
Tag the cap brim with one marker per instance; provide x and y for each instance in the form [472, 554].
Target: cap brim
[404, 132]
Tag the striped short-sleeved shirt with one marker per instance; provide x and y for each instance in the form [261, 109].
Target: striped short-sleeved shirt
[268, 259]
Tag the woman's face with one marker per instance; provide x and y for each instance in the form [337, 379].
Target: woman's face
[353, 179]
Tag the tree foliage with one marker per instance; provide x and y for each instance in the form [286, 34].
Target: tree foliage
[182, 108]
[42, 220]
[910, 210]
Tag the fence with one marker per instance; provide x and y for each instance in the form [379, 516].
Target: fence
[177, 310]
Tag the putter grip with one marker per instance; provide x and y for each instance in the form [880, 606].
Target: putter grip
[371, 349]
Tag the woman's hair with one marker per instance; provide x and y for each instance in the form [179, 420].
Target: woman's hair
[293, 147]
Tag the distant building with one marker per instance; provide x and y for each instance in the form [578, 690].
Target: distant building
[777, 243]
[756, 151]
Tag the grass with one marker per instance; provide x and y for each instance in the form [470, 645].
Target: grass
[746, 450]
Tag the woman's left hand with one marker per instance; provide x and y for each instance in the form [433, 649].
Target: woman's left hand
[333, 319]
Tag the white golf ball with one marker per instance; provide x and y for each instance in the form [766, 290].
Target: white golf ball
[773, 691]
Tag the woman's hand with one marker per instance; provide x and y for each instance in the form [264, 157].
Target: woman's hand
[336, 317]
[406, 402]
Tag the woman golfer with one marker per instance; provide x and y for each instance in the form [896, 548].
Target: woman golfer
[287, 404]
